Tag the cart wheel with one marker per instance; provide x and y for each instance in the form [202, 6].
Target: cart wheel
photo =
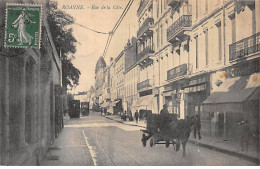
[167, 144]
[144, 140]
[144, 143]
[178, 146]
[151, 142]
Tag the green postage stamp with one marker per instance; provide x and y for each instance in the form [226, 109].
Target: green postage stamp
[23, 25]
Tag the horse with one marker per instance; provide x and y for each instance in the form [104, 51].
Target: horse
[180, 131]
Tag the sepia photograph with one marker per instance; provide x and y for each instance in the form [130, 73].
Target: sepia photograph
[129, 83]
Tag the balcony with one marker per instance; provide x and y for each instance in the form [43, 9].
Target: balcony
[142, 5]
[177, 72]
[145, 29]
[146, 51]
[244, 47]
[144, 84]
[178, 28]
[174, 3]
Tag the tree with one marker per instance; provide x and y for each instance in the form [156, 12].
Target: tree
[65, 43]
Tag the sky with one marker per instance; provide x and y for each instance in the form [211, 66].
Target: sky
[91, 45]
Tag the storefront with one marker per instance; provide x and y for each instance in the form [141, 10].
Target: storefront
[173, 93]
[174, 98]
[236, 99]
[196, 92]
[117, 107]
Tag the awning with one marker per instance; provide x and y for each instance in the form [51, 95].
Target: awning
[105, 104]
[233, 91]
[144, 101]
[115, 102]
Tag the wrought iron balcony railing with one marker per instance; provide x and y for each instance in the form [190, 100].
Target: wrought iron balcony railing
[147, 50]
[177, 71]
[142, 5]
[144, 84]
[183, 22]
[148, 23]
[172, 3]
[244, 47]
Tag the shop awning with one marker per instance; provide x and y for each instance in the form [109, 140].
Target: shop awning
[115, 102]
[144, 101]
[233, 91]
[105, 104]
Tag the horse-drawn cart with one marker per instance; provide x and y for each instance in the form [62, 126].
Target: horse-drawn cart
[166, 129]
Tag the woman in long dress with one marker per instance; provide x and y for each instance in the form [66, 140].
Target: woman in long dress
[20, 22]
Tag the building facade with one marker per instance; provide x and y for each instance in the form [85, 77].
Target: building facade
[30, 87]
[225, 57]
[131, 75]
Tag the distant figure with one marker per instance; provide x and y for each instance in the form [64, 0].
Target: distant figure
[130, 113]
[197, 126]
[164, 110]
[245, 134]
[105, 111]
[131, 116]
[125, 115]
[136, 116]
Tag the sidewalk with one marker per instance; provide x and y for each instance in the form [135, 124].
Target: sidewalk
[226, 147]
[131, 123]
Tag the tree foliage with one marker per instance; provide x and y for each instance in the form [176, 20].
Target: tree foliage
[65, 43]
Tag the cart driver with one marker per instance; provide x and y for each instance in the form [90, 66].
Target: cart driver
[164, 110]
[163, 120]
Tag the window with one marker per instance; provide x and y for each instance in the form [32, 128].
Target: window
[219, 42]
[197, 8]
[161, 5]
[206, 47]
[158, 38]
[206, 5]
[158, 9]
[197, 56]
[233, 27]
[162, 35]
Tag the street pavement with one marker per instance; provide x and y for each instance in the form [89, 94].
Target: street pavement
[98, 141]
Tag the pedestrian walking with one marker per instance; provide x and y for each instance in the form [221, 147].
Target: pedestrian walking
[136, 116]
[197, 126]
[245, 134]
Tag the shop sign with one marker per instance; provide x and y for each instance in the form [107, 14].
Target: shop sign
[243, 69]
[177, 71]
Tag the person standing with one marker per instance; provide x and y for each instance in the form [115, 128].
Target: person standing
[136, 116]
[197, 126]
[245, 134]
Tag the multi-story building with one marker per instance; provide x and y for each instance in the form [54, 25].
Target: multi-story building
[224, 55]
[189, 50]
[173, 54]
[119, 68]
[164, 29]
[145, 57]
[29, 86]
[130, 76]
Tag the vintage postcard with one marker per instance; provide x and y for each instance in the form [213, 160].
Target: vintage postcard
[129, 82]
